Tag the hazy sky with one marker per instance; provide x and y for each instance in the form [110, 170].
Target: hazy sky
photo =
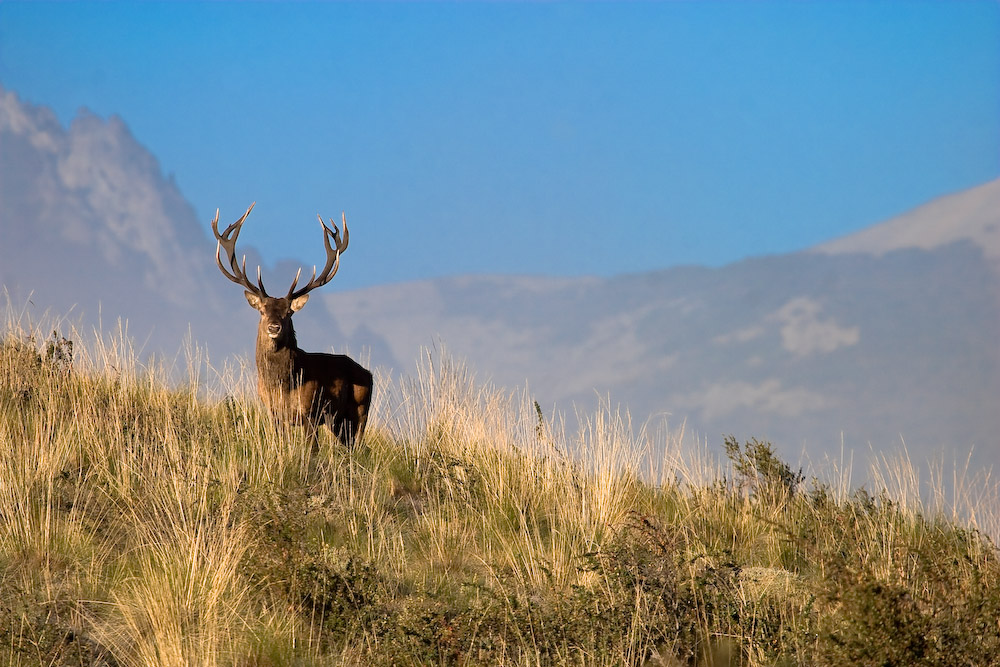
[524, 138]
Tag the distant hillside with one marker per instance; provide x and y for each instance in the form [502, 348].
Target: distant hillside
[809, 350]
[890, 333]
[885, 336]
[973, 215]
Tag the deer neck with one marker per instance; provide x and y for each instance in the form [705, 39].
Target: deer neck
[277, 359]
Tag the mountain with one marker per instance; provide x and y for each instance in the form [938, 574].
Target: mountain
[89, 224]
[966, 216]
[887, 336]
[891, 333]
[91, 230]
[809, 350]
[91, 193]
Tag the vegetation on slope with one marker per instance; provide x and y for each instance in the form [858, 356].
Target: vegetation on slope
[145, 525]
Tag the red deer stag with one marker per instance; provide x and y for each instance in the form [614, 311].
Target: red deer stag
[301, 387]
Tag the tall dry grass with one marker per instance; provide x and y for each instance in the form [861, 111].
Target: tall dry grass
[153, 514]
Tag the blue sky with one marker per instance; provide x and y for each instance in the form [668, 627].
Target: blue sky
[534, 138]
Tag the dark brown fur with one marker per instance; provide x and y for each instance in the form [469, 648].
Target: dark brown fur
[307, 388]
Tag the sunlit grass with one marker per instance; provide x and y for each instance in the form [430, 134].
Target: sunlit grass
[150, 520]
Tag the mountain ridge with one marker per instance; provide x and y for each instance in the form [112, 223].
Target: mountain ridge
[859, 340]
[970, 215]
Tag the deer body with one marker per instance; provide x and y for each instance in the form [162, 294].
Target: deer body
[307, 388]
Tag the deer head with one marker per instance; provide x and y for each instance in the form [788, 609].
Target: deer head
[275, 327]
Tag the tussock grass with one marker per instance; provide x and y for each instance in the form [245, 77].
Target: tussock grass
[146, 521]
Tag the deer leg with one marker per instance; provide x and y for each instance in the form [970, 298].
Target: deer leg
[359, 423]
[363, 399]
[340, 427]
[313, 429]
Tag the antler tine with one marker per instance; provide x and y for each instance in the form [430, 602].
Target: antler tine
[235, 226]
[227, 240]
[260, 283]
[236, 276]
[347, 235]
[332, 259]
[341, 245]
[295, 281]
[335, 232]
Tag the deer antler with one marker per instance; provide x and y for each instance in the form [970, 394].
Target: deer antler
[332, 258]
[238, 271]
[227, 240]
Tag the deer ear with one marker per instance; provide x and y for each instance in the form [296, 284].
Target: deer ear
[252, 299]
[299, 302]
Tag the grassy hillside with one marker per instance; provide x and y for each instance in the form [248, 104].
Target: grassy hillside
[144, 524]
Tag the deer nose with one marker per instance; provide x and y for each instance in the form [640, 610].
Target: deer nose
[273, 330]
